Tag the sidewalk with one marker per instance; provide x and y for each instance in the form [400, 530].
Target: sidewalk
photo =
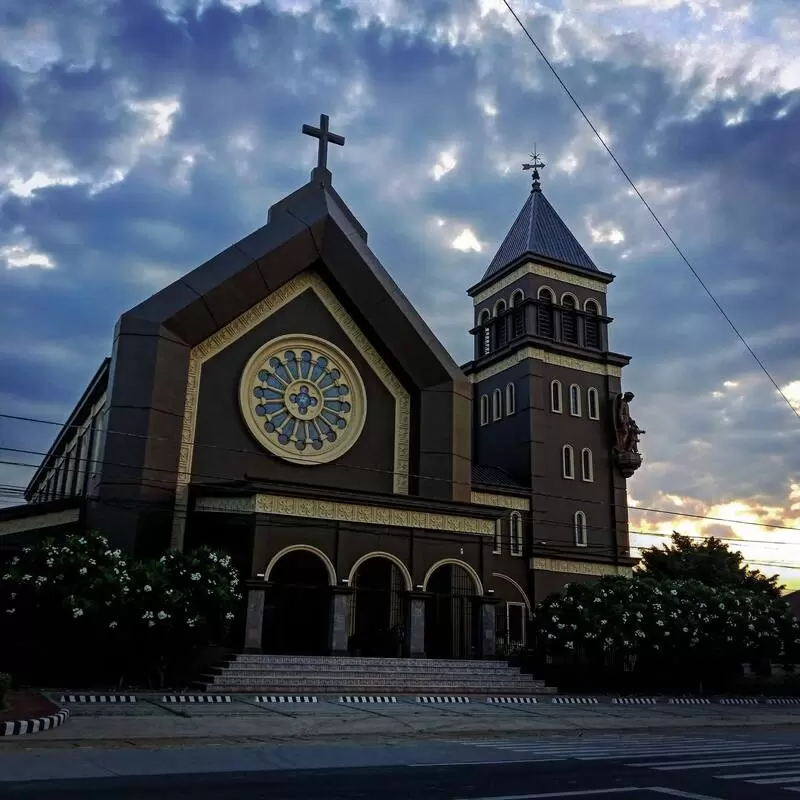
[152, 723]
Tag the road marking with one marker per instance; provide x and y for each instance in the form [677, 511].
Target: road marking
[742, 775]
[662, 766]
[768, 781]
[485, 763]
[593, 792]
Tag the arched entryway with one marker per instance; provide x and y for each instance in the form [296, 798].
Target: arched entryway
[297, 604]
[377, 612]
[452, 611]
[512, 614]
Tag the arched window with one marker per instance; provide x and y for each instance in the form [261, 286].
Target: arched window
[592, 324]
[593, 401]
[515, 528]
[555, 396]
[575, 400]
[484, 409]
[569, 318]
[568, 461]
[544, 313]
[518, 315]
[498, 537]
[511, 399]
[587, 465]
[485, 333]
[497, 404]
[501, 323]
[581, 537]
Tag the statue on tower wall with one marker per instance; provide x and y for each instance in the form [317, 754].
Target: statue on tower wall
[628, 433]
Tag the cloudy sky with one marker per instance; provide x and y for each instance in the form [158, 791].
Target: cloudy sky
[140, 137]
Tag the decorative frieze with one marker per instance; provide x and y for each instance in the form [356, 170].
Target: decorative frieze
[554, 359]
[552, 273]
[579, 567]
[500, 501]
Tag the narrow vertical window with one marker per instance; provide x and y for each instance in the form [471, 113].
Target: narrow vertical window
[587, 465]
[485, 333]
[515, 547]
[569, 319]
[575, 400]
[497, 404]
[555, 397]
[501, 323]
[498, 537]
[511, 399]
[518, 314]
[544, 313]
[592, 324]
[593, 401]
[581, 538]
[568, 461]
[484, 409]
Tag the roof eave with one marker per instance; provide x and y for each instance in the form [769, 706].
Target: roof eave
[605, 277]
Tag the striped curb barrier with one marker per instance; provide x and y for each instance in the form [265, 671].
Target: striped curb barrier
[284, 698]
[634, 701]
[783, 701]
[513, 700]
[196, 698]
[575, 700]
[689, 701]
[739, 701]
[20, 727]
[441, 699]
[367, 699]
[98, 698]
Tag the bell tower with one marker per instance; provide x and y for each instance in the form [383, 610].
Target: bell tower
[547, 388]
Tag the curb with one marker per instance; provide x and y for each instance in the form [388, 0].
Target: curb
[442, 699]
[634, 701]
[739, 701]
[98, 698]
[689, 701]
[368, 699]
[514, 700]
[783, 701]
[20, 727]
[284, 698]
[575, 701]
[196, 698]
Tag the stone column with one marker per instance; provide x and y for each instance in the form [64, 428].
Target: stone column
[340, 614]
[415, 624]
[254, 624]
[488, 637]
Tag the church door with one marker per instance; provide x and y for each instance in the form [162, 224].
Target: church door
[297, 608]
[451, 614]
[377, 615]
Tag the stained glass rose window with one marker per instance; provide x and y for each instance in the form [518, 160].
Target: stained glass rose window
[303, 399]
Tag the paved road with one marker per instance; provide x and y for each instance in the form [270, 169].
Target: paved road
[617, 767]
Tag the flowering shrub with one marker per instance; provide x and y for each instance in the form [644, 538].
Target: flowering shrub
[76, 593]
[677, 620]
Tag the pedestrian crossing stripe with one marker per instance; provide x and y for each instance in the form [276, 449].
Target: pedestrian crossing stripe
[284, 698]
[442, 699]
[367, 699]
[783, 701]
[515, 700]
[195, 698]
[689, 701]
[739, 701]
[98, 698]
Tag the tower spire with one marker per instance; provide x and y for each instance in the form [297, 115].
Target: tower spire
[535, 164]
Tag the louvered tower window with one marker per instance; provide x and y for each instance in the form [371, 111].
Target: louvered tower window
[518, 314]
[569, 319]
[500, 322]
[545, 313]
[592, 325]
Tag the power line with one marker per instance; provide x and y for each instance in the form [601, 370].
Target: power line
[240, 451]
[650, 209]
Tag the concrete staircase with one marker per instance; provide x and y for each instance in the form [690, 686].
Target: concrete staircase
[347, 675]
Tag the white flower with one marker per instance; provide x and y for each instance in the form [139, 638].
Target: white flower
[150, 623]
[77, 612]
[121, 563]
[7, 576]
[190, 623]
[147, 588]
[26, 577]
[50, 562]
[15, 560]
[112, 624]
[560, 625]
[673, 592]
[685, 630]
[604, 622]
[597, 600]
[82, 571]
[162, 615]
[551, 636]
[569, 645]
[195, 576]
[40, 580]
[229, 615]
[10, 610]
[555, 619]
[13, 595]
[125, 590]
[147, 615]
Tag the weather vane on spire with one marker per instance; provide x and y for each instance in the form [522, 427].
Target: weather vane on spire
[536, 164]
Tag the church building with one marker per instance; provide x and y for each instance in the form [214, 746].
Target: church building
[284, 402]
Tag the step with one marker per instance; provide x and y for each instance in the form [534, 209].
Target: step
[425, 688]
[449, 664]
[360, 669]
[378, 688]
